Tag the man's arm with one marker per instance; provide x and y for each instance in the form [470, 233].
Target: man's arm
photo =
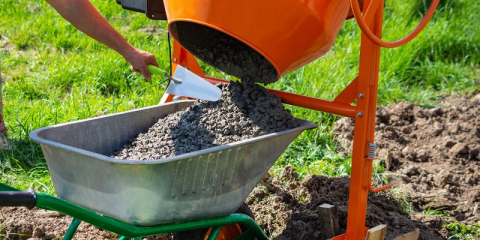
[83, 15]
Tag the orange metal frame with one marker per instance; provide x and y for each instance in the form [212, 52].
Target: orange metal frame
[363, 89]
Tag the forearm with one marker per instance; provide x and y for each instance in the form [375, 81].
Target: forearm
[83, 15]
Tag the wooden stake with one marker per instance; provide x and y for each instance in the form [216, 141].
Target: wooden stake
[376, 233]
[410, 236]
[329, 224]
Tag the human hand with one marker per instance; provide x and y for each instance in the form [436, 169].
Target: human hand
[140, 60]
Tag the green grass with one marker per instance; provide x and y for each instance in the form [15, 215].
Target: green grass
[6, 235]
[438, 211]
[403, 198]
[462, 231]
[56, 74]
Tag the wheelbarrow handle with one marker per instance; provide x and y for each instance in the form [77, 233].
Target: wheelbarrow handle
[18, 199]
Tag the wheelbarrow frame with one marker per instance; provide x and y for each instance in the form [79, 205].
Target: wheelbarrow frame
[126, 230]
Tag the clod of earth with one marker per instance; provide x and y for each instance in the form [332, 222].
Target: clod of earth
[246, 110]
[286, 208]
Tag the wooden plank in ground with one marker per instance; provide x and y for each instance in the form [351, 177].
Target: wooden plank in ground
[376, 233]
[410, 236]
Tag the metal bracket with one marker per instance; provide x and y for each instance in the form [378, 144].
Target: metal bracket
[371, 155]
[174, 79]
[372, 150]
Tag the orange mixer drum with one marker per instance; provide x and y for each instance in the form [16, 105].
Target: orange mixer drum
[260, 40]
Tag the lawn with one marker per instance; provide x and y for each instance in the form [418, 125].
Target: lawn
[54, 74]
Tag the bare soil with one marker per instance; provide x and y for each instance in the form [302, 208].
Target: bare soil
[286, 208]
[39, 224]
[431, 156]
[5, 45]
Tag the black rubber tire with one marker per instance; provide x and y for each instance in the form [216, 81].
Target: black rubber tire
[199, 234]
[244, 209]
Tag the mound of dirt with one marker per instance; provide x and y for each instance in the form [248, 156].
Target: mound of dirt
[286, 208]
[432, 154]
[246, 110]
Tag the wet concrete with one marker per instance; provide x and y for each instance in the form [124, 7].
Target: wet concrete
[224, 52]
[246, 110]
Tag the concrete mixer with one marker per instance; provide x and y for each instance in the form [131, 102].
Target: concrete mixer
[264, 40]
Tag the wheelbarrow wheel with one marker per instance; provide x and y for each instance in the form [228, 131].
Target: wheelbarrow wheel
[200, 234]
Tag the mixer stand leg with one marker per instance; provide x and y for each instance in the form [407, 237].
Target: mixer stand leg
[366, 95]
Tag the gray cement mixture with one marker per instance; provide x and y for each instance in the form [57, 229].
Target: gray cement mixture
[246, 110]
[224, 52]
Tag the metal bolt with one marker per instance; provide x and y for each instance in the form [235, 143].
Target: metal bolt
[359, 114]
[175, 59]
[360, 95]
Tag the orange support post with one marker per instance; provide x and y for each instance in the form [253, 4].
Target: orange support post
[367, 87]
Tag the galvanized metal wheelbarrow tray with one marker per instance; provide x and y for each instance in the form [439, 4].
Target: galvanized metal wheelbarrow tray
[198, 185]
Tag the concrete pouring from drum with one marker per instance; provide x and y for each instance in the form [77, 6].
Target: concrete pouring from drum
[246, 110]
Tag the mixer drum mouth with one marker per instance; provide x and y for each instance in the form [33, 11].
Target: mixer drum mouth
[260, 40]
[223, 52]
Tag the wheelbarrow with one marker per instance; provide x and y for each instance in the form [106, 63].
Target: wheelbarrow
[142, 198]
[284, 35]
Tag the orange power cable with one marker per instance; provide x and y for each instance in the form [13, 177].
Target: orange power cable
[363, 25]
